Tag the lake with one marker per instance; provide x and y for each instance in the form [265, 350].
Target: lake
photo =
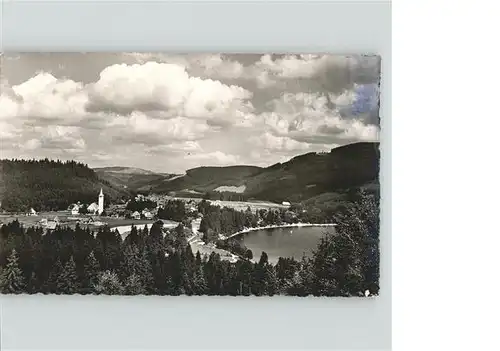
[284, 242]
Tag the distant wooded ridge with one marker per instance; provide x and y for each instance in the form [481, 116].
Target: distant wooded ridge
[54, 185]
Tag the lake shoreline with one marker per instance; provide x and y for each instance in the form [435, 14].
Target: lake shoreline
[292, 225]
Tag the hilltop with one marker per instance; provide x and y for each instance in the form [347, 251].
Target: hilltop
[50, 185]
[123, 170]
[134, 179]
[312, 174]
[300, 178]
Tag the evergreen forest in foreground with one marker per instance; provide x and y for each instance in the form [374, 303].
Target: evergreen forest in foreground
[160, 262]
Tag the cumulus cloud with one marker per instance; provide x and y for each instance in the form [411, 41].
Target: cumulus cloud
[190, 146]
[44, 96]
[215, 158]
[293, 66]
[216, 65]
[187, 110]
[307, 117]
[8, 131]
[309, 72]
[32, 144]
[275, 73]
[139, 127]
[123, 89]
[56, 137]
[185, 147]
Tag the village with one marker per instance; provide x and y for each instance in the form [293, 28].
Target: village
[88, 215]
[121, 217]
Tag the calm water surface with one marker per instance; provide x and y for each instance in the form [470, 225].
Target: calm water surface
[284, 242]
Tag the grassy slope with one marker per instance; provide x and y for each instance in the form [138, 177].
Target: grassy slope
[49, 185]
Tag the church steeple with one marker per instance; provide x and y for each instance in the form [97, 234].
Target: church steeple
[101, 202]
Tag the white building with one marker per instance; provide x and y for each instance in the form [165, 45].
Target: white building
[75, 210]
[285, 203]
[93, 208]
[136, 215]
[97, 208]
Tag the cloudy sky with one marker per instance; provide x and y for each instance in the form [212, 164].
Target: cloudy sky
[170, 113]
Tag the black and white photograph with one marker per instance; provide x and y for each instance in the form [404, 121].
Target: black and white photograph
[190, 174]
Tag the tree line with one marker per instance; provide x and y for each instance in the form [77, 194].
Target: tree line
[174, 210]
[135, 205]
[160, 262]
[47, 185]
[227, 221]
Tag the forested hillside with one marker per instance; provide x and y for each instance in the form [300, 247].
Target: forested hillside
[49, 185]
[312, 174]
[206, 179]
[298, 179]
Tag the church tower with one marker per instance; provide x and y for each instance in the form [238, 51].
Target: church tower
[101, 203]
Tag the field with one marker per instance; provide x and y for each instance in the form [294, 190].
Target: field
[237, 205]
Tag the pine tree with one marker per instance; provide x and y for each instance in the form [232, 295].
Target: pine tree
[189, 260]
[249, 254]
[356, 246]
[130, 264]
[108, 283]
[198, 259]
[302, 282]
[199, 282]
[259, 276]
[136, 262]
[271, 281]
[50, 285]
[245, 274]
[264, 259]
[133, 285]
[187, 284]
[33, 284]
[67, 281]
[328, 275]
[12, 280]
[145, 271]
